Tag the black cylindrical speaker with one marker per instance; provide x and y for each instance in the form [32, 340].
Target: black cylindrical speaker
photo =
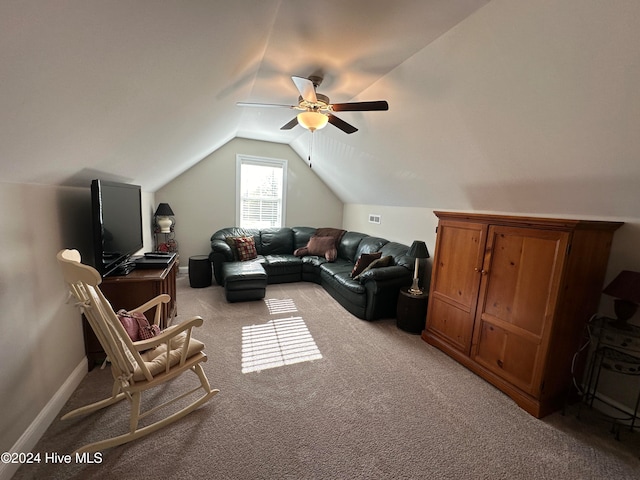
[199, 271]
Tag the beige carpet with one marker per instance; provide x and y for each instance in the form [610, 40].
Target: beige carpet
[350, 400]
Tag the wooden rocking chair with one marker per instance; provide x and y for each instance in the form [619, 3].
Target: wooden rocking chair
[136, 366]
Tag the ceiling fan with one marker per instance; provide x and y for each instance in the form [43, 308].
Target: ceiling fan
[316, 108]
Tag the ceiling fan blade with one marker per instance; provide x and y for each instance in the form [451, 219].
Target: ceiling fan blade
[341, 124]
[245, 104]
[290, 125]
[306, 89]
[360, 106]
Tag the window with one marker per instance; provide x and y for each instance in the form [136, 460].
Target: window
[261, 184]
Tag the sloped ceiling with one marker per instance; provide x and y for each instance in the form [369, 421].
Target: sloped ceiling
[494, 105]
[140, 91]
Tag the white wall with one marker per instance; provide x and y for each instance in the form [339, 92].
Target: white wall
[203, 198]
[41, 340]
[398, 224]
[42, 354]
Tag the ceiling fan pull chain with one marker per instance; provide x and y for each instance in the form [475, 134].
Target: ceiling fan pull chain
[310, 148]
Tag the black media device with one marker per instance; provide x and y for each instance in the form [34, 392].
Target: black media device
[116, 210]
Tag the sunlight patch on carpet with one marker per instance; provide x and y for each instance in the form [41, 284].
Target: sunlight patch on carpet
[279, 342]
[277, 306]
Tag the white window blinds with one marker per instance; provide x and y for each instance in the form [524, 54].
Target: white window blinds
[261, 187]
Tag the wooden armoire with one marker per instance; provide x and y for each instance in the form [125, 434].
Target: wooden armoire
[510, 296]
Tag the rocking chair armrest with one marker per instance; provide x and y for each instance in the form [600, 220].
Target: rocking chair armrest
[154, 302]
[166, 335]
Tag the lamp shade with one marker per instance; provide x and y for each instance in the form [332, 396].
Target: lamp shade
[626, 286]
[418, 250]
[164, 210]
[312, 120]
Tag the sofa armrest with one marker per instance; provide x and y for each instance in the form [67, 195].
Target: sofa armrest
[222, 248]
[385, 273]
[383, 286]
[220, 253]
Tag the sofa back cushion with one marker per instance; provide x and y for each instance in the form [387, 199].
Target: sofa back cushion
[370, 245]
[275, 241]
[223, 233]
[399, 253]
[348, 246]
[301, 236]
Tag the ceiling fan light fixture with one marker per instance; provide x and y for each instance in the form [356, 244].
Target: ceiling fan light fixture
[312, 121]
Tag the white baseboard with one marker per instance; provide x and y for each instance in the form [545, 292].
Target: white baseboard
[30, 437]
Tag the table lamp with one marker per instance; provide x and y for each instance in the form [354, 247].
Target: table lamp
[625, 288]
[418, 251]
[162, 217]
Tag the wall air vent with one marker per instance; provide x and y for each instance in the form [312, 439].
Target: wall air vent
[374, 218]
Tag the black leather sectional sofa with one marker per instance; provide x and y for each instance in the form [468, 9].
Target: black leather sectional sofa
[372, 295]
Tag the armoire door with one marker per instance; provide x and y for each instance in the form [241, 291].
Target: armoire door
[518, 295]
[455, 281]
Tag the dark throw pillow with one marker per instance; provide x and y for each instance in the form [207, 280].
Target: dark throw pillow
[363, 262]
[381, 262]
[322, 247]
[335, 233]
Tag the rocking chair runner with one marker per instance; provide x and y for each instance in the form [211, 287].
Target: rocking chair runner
[136, 366]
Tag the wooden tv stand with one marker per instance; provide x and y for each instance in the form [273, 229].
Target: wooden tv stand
[131, 291]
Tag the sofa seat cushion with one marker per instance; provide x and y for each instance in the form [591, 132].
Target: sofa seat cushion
[348, 283]
[283, 268]
[337, 267]
[282, 261]
[345, 287]
[313, 261]
[339, 274]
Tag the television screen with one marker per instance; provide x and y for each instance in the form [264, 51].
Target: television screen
[117, 224]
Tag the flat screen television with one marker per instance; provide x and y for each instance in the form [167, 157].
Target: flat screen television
[116, 210]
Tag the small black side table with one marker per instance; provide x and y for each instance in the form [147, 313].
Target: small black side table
[412, 311]
[199, 271]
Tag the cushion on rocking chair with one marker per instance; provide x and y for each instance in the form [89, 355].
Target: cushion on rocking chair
[156, 358]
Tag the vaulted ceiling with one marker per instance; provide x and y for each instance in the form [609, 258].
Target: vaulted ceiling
[494, 105]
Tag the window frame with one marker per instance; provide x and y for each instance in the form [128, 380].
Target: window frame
[242, 159]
